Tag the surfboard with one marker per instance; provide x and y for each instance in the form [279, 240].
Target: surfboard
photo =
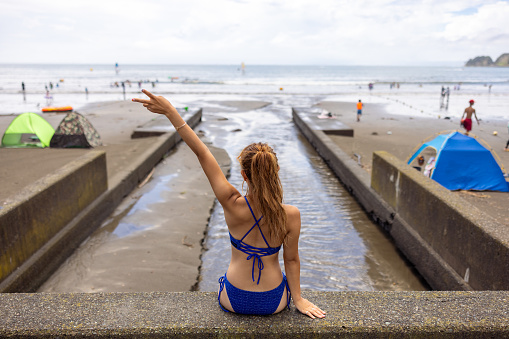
[57, 109]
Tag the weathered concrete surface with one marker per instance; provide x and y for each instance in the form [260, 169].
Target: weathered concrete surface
[41, 210]
[197, 314]
[356, 181]
[36, 269]
[473, 244]
[433, 257]
[157, 126]
[331, 125]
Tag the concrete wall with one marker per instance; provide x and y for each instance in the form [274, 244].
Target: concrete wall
[436, 314]
[79, 223]
[41, 210]
[425, 230]
[197, 315]
[474, 245]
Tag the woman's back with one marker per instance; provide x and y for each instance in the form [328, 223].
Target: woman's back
[254, 265]
[254, 268]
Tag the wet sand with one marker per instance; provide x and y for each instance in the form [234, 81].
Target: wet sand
[152, 242]
[399, 135]
[115, 121]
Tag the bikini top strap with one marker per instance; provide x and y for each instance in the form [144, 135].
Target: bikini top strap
[252, 213]
[256, 223]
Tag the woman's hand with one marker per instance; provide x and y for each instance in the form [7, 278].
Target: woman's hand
[308, 308]
[156, 104]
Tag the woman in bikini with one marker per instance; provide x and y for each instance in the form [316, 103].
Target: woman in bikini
[259, 224]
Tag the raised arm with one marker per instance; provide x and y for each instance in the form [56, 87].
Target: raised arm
[292, 264]
[223, 190]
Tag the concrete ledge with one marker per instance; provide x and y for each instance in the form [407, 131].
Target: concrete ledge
[356, 180]
[51, 254]
[472, 244]
[157, 126]
[329, 126]
[197, 314]
[43, 209]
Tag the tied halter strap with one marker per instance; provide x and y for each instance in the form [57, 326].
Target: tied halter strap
[255, 253]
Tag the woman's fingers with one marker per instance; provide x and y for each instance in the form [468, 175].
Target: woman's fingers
[318, 313]
[150, 95]
[309, 314]
[145, 101]
[313, 311]
[155, 104]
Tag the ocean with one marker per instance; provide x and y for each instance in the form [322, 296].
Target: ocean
[406, 90]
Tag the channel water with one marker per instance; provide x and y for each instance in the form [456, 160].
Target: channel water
[340, 247]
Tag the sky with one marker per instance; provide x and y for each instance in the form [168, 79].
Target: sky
[262, 32]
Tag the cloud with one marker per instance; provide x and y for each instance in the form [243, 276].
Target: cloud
[488, 22]
[262, 31]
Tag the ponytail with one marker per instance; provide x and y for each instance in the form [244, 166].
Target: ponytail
[260, 164]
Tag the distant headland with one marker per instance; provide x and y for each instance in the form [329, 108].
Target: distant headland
[486, 61]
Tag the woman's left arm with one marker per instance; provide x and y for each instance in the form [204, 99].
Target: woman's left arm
[223, 190]
[292, 265]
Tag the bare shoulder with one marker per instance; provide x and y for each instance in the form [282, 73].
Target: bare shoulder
[292, 213]
[235, 204]
[293, 225]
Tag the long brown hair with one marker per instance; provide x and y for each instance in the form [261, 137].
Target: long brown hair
[260, 164]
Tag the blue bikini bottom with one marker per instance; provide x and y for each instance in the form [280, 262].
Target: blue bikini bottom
[248, 302]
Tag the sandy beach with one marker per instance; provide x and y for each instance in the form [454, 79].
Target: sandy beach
[377, 130]
[115, 122]
[400, 135]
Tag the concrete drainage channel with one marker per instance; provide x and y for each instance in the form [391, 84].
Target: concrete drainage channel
[45, 211]
[460, 314]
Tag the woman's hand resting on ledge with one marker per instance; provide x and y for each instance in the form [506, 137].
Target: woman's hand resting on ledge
[308, 308]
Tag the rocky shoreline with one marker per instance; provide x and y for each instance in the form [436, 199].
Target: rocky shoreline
[486, 61]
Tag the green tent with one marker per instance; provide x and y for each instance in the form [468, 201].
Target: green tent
[28, 130]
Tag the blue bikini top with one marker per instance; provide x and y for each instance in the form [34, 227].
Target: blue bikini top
[254, 253]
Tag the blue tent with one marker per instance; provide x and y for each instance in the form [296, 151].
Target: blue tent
[462, 163]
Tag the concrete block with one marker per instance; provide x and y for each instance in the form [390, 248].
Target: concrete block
[472, 243]
[41, 210]
[160, 125]
[50, 253]
[453, 246]
[197, 315]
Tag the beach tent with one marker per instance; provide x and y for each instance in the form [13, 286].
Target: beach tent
[28, 130]
[75, 131]
[462, 163]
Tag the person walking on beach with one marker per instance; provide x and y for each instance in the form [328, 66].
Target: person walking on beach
[359, 110]
[467, 122]
[507, 144]
[258, 223]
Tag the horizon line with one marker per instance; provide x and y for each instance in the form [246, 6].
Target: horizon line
[430, 64]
